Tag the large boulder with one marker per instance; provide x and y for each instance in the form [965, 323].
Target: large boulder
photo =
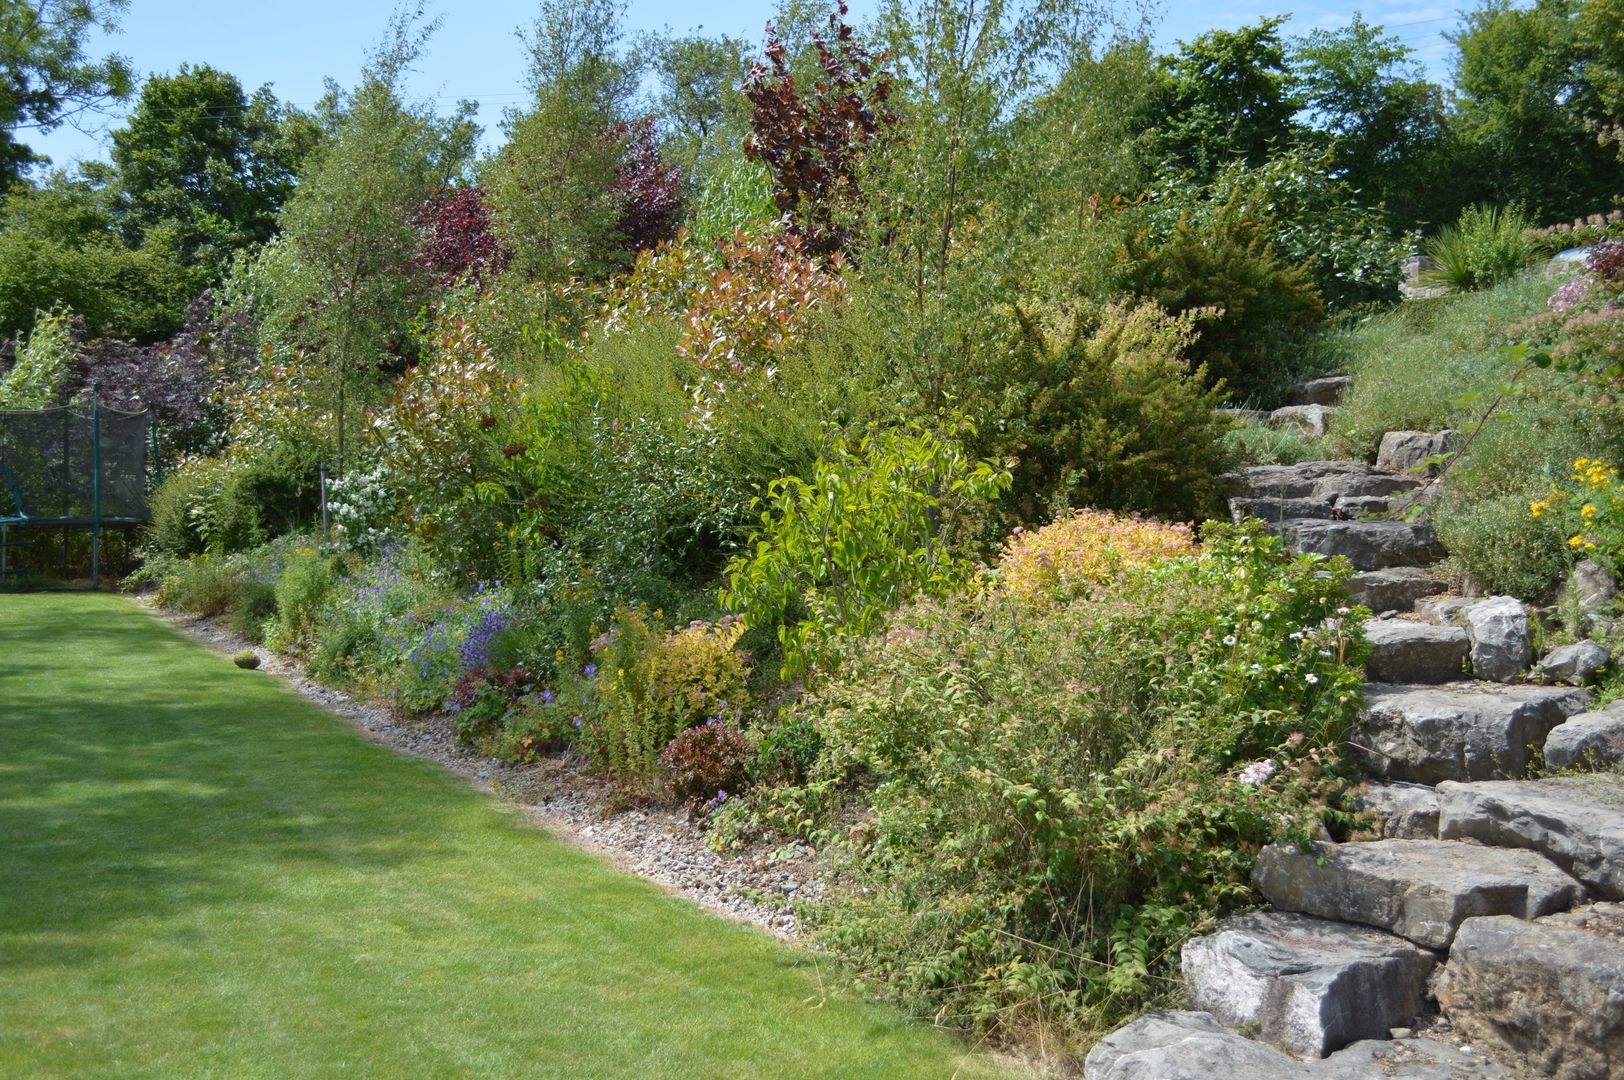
[1459, 731]
[1411, 452]
[1547, 995]
[1368, 545]
[1419, 889]
[1402, 811]
[1395, 588]
[1589, 588]
[1406, 651]
[1327, 390]
[1501, 644]
[1588, 739]
[1307, 985]
[1575, 821]
[1195, 1046]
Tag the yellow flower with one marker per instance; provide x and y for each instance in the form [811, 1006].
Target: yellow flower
[1575, 541]
[1538, 508]
[1588, 511]
[1589, 545]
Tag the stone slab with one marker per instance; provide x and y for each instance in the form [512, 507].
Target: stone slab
[1575, 821]
[1419, 889]
[1458, 731]
[1396, 588]
[1502, 646]
[1404, 811]
[1587, 739]
[1368, 545]
[1406, 651]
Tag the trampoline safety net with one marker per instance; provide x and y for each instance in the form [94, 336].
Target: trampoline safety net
[53, 456]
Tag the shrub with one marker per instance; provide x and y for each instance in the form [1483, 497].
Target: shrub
[1255, 304]
[1502, 547]
[537, 724]
[1062, 795]
[202, 585]
[484, 699]
[1098, 407]
[1588, 510]
[1592, 229]
[786, 749]
[1486, 246]
[247, 659]
[39, 377]
[301, 589]
[1085, 548]
[708, 764]
[839, 552]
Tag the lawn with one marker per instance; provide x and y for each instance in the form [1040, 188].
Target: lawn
[201, 874]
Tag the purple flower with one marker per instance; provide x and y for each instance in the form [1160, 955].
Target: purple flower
[590, 670]
[547, 696]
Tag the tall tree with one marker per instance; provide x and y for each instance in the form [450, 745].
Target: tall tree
[209, 162]
[702, 115]
[351, 278]
[1228, 95]
[46, 79]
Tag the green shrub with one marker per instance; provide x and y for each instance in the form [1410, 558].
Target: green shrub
[1099, 408]
[203, 585]
[1256, 306]
[247, 659]
[1486, 246]
[301, 589]
[837, 553]
[1061, 796]
[38, 379]
[1502, 547]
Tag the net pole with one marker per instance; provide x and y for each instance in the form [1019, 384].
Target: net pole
[95, 497]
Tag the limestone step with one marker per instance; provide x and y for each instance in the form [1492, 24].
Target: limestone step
[1575, 821]
[1587, 740]
[1415, 452]
[1402, 811]
[1419, 889]
[1545, 997]
[1368, 545]
[1576, 664]
[1195, 1046]
[1457, 731]
[1307, 985]
[1407, 651]
[1326, 390]
[1395, 588]
[1309, 421]
[1323, 481]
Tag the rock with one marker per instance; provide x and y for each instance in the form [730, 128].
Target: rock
[1459, 731]
[1396, 588]
[1326, 481]
[1327, 390]
[1419, 889]
[1368, 545]
[1405, 651]
[1359, 506]
[1276, 512]
[1595, 738]
[1195, 1046]
[1575, 821]
[1547, 995]
[1443, 610]
[1246, 416]
[1307, 985]
[1589, 588]
[1310, 421]
[1406, 811]
[1501, 645]
[1576, 664]
[1408, 452]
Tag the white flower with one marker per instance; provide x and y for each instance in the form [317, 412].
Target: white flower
[1229, 639]
[1311, 678]
[1257, 772]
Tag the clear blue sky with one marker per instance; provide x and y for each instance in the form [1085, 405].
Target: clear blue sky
[294, 44]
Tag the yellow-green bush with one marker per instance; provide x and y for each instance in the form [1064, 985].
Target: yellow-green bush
[1063, 560]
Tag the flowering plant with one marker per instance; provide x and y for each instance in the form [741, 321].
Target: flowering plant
[1065, 559]
[1589, 507]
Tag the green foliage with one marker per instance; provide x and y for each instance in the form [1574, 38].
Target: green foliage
[1502, 547]
[247, 659]
[1486, 246]
[837, 553]
[708, 764]
[1061, 796]
[737, 197]
[1099, 408]
[49, 80]
[1254, 303]
[1228, 95]
[39, 377]
[306, 579]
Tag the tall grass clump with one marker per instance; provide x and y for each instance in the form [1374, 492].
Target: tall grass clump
[1486, 246]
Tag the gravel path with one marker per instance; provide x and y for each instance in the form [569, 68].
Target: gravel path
[655, 842]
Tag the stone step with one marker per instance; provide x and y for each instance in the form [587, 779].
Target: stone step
[1402, 811]
[1457, 731]
[1406, 651]
[1195, 1046]
[1575, 664]
[1419, 889]
[1324, 481]
[1411, 452]
[1545, 996]
[1502, 646]
[1395, 588]
[1368, 545]
[1587, 740]
[1276, 512]
[1575, 821]
[1307, 985]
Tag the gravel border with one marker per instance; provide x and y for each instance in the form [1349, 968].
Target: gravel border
[659, 843]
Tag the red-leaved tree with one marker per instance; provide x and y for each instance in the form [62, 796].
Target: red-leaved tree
[649, 188]
[812, 139]
[455, 239]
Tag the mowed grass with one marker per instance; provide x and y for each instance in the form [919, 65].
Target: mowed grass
[202, 875]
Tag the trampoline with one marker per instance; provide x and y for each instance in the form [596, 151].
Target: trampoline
[77, 467]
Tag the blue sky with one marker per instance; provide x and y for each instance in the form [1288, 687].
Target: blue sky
[476, 55]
